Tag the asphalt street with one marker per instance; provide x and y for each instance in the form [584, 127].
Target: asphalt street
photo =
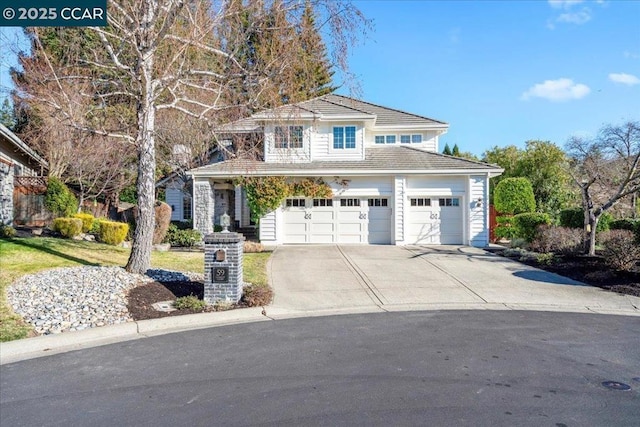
[405, 368]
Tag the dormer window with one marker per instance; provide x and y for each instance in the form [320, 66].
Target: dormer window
[288, 137]
[344, 137]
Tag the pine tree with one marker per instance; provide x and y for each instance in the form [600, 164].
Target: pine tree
[314, 75]
[456, 151]
[447, 150]
[7, 116]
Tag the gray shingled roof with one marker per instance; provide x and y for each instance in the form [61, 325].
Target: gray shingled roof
[328, 106]
[389, 159]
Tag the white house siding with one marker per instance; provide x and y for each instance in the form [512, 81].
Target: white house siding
[478, 211]
[322, 142]
[297, 155]
[268, 228]
[436, 186]
[399, 205]
[361, 186]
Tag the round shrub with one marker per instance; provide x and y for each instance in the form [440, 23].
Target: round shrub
[561, 240]
[87, 221]
[7, 231]
[526, 224]
[113, 233]
[68, 227]
[514, 196]
[620, 249]
[59, 199]
[257, 296]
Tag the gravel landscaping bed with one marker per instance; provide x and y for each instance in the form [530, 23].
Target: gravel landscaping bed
[73, 299]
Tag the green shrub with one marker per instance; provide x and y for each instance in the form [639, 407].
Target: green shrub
[620, 249]
[87, 221]
[504, 227]
[95, 225]
[574, 218]
[113, 233]
[68, 227]
[7, 231]
[257, 296]
[185, 238]
[163, 219]
[59, 199]
[526, 224]
[190, 302]
[514, 196]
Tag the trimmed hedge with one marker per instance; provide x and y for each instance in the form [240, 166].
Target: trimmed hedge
[113, 233]
[574, 218]
[182, 237]
[514, 196]
[526, 224]
[68, 227]
[87, 221]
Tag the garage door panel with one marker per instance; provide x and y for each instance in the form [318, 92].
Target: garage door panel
[435, 224]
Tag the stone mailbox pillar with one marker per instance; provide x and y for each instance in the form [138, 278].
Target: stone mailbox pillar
[223, 267]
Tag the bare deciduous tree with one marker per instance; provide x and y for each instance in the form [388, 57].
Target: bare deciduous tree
[606, 169]
[161, 56]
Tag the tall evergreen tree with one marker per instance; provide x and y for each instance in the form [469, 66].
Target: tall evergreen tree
[455, 151]
[7, 117]
[447, 150]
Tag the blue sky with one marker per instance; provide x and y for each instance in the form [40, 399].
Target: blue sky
[499, 72]
[504, 72]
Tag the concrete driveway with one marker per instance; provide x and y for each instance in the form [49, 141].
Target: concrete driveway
[328, 279]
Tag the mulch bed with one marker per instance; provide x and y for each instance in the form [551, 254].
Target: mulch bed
[142, 297]
[593, 271]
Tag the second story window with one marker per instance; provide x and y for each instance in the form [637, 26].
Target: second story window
[344, 137]
[288, 137]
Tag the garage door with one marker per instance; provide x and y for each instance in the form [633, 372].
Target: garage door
[340, 220]
[435, 220]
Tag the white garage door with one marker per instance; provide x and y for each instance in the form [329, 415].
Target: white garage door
[340, 220]
[435, 220]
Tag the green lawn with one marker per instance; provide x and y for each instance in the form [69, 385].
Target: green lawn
[30, 255]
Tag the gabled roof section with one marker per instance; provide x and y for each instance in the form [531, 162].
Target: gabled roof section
[21, 147]
[331, 106]
[378, 160]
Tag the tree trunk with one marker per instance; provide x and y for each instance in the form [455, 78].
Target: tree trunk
[593, 224]
[140, 257]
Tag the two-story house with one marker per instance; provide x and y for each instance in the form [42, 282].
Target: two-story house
[390, 185]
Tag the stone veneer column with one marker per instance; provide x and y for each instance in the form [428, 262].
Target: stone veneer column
[203, 206]
[6, 193]
[223, 255]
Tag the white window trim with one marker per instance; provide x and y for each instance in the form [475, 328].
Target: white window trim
[343, 149]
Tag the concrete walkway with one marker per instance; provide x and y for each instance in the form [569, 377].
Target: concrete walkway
[328, 280]
[392, 278]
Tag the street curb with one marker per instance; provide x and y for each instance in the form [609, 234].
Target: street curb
[46, 345]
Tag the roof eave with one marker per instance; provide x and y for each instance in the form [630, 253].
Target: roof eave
[344, 172]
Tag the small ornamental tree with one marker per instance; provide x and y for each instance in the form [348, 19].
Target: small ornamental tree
[512, 196]
[59, 199]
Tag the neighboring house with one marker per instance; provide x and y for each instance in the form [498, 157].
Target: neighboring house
[20, 166]
[390, 185]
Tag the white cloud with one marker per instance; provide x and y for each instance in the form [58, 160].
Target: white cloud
[631, 55]
[564, 4]
[557, 90]
[578, 18]
[623, 78]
